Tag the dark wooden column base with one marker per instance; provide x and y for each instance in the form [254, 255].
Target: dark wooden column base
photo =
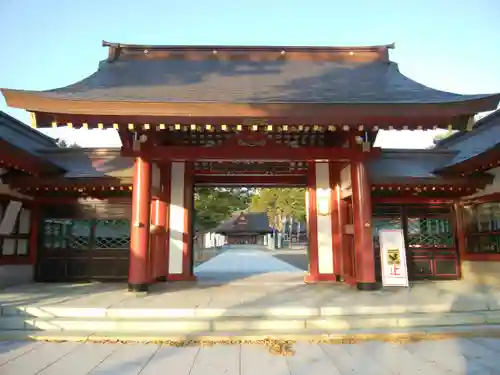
[161, 278]
[138, 287]
[368, 286]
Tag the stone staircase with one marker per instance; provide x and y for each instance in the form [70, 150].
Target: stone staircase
[54, 321]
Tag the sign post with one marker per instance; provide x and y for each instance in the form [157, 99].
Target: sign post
[393, 258]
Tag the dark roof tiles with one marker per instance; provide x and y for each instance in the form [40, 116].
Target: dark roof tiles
[245, 222]
[484, 137]
[244, 81]
[400, 165]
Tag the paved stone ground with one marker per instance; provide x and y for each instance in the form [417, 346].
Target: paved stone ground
[239, 262]
[296, 257]
[478, 356]
[246, 279]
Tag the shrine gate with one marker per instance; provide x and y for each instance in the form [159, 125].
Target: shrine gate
[261, 116]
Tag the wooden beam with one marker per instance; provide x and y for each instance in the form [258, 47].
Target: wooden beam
[195, 153]
[418, 119]
[270, 180]
[412, 200]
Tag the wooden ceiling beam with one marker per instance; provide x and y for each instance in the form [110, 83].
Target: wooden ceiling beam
[195, 153]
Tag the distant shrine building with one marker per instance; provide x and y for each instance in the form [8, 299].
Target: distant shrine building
[252, 116]
[245, 228]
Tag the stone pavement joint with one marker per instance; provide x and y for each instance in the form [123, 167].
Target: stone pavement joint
[383, 335]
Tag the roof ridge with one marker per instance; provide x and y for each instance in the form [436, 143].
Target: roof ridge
[247, 47]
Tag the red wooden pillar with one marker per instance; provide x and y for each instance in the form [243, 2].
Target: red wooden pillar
[165, 179]
[158, 220]
[363, 240]
[139, 277]
[460, 232]
[36, 217]
[152, 241]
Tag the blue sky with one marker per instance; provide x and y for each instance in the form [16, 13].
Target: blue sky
[449, 45]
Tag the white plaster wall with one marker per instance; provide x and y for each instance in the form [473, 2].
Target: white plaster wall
[481, 272]
[15, 274]
[324, 222]
[345, 182]
[155, 178]
[176, 212]
[494, 187]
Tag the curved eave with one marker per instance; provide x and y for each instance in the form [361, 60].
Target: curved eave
[482, 162]
[17, 158]
[38, 102]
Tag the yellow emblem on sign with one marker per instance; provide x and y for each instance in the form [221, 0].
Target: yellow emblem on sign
[393, 257]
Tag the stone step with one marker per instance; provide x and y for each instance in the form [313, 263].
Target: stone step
[257, 312]
[233, 324]
[339, 336]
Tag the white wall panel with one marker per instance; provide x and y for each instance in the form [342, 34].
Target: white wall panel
[324, 226]
[177, 213]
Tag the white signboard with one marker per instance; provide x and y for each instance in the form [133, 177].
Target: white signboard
[393, 258]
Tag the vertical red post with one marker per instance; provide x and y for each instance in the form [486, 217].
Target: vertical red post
[460, 232]
[313, 274]
[363, 240]
[165, 177]
[34, 231]
[138, 277]
[159, 221]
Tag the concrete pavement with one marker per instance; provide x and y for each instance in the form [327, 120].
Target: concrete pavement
[478, 356]
[259, 295]
[243, 261]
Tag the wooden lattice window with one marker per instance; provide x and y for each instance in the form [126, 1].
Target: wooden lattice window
[17, 242]
[424, 227]
[86, 234]
[429, 227]
[482, 222]
[385, 217]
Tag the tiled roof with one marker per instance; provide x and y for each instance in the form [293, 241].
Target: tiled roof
[21, 143]
[393, 166]
[182, 79]
[484, 137]
[91, 163]
[245, 222]
[23, 136]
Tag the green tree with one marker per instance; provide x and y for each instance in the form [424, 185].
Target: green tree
[442, 136]
[278, 202]
[214, 205]
[64, 144]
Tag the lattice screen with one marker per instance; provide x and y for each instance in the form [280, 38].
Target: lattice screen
[380, 223]
[429, 232]
[112, 234]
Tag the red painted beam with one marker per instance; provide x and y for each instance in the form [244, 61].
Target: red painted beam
[251, 180]
[369, 115]
[412, 200]
[194, 153]
[250, 173]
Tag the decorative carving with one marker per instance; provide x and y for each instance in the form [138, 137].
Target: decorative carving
[251, 140]
[255, 121]
[245, 143]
